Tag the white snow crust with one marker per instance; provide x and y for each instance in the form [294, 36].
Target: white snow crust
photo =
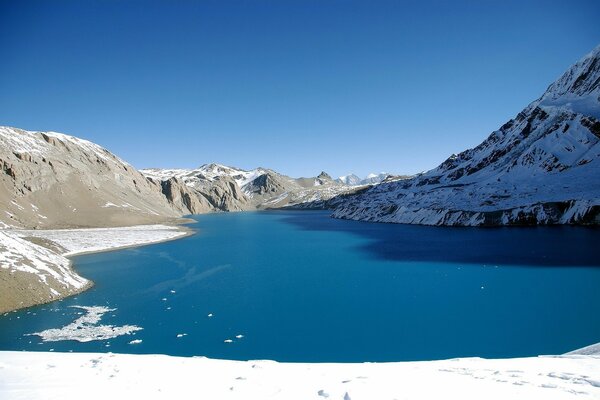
[38, 375]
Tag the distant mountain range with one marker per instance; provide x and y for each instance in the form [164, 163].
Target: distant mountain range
[541, 167]
[371, 179]
[219, 187]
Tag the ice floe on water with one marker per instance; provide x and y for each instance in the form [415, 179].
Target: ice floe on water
[86, 328]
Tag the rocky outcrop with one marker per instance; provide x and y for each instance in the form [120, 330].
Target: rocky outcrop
[225, 195]
[183, 198]
[265, 184]
[541, 167]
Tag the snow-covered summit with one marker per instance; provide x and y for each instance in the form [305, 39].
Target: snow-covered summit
[543, 166]
[370, 179]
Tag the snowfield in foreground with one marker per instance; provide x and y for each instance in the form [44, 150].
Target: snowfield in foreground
[31, 375]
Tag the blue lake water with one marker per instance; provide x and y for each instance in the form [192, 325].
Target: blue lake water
[301, 286]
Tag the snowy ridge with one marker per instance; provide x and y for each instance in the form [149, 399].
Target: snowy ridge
[542, 167]
[28, 142]
[38, 375]
[206, 173]
[578, 89]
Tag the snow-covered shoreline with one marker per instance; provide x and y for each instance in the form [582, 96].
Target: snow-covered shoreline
[92, 240]
[41, 375]
[35, 267]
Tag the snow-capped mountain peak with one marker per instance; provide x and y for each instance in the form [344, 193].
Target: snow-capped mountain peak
[543, 166]
[370, 179]
[578, 89]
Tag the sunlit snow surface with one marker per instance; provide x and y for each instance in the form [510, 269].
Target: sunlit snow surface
[37, 375]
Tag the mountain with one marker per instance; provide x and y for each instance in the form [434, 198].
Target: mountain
[371, 179]
[350, 180]
[49, 179]
[216, 187]
[374, 178]
[541, 167]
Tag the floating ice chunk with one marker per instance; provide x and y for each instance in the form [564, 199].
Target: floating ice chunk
[172, 291]
[227, 341]
[210, 315]
[136, 341]
[164, 299]
[239, 336]
[86, 328]
[179, 335]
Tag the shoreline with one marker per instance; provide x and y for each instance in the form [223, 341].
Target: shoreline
[185, 233]
[49, 253]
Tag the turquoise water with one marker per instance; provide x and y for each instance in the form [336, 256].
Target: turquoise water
[301, 286]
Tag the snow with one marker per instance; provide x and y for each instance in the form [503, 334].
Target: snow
[86, 328]
[593, 349]
[77, 241]
[44, 375]
[17, 254]
[541, 167]
[207, 172]
[370, 179]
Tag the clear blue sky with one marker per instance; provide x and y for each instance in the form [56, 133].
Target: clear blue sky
[298, 86]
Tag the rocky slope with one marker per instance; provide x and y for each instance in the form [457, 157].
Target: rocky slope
[541, 167]
[49, 179]
[223, 188]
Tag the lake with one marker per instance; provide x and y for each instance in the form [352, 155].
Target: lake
[300, 286]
